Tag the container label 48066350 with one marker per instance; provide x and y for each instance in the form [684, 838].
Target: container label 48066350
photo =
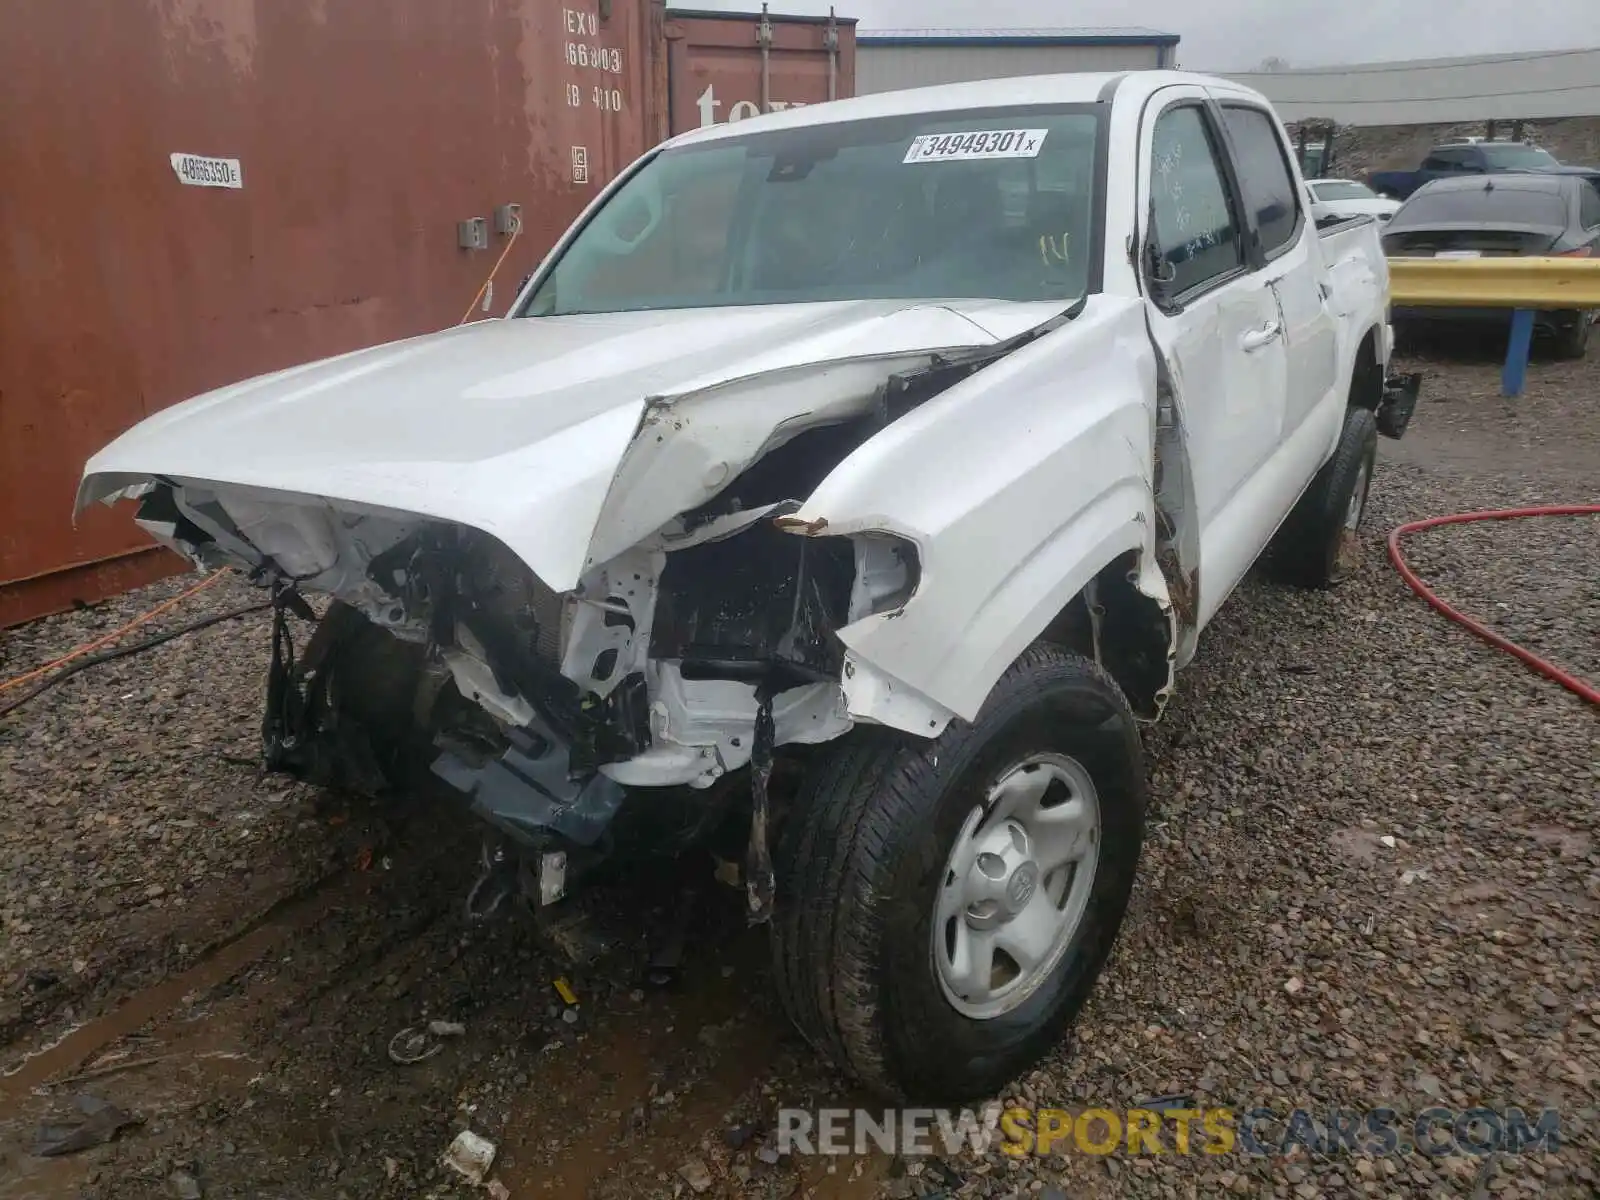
[197, 171]
[981, 143]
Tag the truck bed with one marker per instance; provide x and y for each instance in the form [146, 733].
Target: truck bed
[1358, 272]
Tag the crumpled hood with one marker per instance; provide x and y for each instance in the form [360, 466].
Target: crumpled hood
[515, 427]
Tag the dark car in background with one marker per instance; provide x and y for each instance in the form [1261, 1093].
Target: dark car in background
[1501, 215]
[1478, 157]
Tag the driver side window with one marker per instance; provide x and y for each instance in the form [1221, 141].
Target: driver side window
[1196, 239]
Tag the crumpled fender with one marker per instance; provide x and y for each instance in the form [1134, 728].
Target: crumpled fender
[692, 443]
[688, 448]
[1017, 485]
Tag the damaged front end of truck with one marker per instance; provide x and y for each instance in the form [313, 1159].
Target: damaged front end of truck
[697, 633]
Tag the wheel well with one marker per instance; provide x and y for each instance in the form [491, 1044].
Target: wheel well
[1127, 632]
[1366, 379]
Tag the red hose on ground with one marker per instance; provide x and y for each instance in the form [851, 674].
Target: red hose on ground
[1548, 669]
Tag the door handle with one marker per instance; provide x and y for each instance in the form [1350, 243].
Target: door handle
[1254, 339]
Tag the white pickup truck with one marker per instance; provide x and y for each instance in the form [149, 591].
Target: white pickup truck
[909, 442]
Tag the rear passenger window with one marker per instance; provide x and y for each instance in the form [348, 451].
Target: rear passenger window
[1195, 234]
[1589, 205]
[1264, 175]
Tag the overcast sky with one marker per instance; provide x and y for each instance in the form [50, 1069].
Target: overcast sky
[1237, 34]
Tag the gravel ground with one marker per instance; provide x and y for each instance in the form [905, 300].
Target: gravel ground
[1372, 879]
[130, 801]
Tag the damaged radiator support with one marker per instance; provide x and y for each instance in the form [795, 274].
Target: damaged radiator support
[361, 709]
[284, 717]
[326, 719]
[289, 723]
[760, 883]
[791, 595]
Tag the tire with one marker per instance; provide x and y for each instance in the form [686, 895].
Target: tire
[1309, 550]
[863, 862]
[1572, 341]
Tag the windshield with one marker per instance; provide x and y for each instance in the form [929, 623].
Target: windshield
[1343, 189]
[1515, 155]
[994, 204]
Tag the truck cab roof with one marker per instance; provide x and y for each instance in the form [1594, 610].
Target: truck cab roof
[1024, 91]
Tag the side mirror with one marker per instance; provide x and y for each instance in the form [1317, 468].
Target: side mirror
[1157, 269]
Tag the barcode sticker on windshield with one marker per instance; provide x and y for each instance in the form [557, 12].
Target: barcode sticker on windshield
[986, 143]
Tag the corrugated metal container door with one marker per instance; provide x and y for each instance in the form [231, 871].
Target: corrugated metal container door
[729, 66]
[136, 276]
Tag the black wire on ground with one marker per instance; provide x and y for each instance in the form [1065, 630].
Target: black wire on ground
[128, 651]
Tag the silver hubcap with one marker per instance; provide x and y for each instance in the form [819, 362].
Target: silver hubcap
[1016, 885]
[1358, 500]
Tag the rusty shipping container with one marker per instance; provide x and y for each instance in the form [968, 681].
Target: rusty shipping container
[196, 191]
[729, 66]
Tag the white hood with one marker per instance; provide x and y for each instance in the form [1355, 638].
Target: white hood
[517, 427]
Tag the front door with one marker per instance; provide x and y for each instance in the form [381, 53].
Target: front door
[1216, 322]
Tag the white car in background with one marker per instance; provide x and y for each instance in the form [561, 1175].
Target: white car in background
[1340, 198]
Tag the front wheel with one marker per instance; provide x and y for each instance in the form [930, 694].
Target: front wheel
[945, 906]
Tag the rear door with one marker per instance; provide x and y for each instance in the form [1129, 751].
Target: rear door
[1284, 239]
[1212, 315]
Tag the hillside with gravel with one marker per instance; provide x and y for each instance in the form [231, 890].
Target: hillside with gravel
[1359, 149]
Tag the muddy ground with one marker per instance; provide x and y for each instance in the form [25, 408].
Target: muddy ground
[1372, 878]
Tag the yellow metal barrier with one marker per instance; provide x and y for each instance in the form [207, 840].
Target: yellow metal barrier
[1519, 284]
[1528, 283]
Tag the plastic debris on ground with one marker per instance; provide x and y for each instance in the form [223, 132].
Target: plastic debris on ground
[696, 1174]
[415, 1044]
[101, 1122]
[470, 1156]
